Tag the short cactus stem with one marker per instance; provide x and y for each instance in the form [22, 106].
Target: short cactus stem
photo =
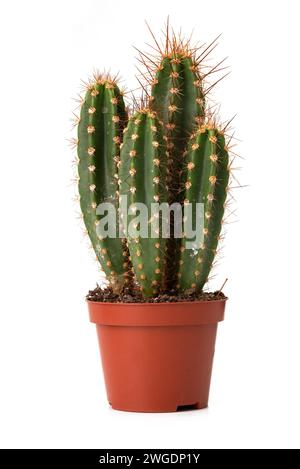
[142, 175]
[207, 181]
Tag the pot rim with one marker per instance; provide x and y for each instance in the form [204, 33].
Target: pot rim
[148, 303]
[185, 313]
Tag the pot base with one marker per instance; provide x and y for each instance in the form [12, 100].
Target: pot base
[160, 410]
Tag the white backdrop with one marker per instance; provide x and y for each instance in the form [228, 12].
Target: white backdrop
[51, 386]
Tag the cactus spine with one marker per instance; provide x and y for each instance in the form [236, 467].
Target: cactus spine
[102, 119]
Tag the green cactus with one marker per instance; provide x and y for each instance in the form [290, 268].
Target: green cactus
[207, 181]
[102, 119]
[177, 97]
[142, 179]
[170, 150]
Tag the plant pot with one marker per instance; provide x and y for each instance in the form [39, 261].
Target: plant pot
[157, 357]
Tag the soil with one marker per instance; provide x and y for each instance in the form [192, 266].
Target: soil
[133, 295]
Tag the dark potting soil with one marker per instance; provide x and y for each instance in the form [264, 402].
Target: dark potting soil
[133, 295]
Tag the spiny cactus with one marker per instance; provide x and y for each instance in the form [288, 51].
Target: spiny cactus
[178, 98]
[102, 119]
[172, 150]
[142, 180]
[206, 182]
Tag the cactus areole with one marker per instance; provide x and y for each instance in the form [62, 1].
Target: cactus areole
[153, 178]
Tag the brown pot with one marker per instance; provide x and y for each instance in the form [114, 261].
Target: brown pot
[157, 357]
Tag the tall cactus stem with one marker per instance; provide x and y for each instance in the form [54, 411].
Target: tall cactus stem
[178, 98]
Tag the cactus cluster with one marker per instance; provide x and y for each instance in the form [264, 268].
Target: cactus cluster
[169, 149]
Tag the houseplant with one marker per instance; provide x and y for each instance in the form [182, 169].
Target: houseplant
[137, 170]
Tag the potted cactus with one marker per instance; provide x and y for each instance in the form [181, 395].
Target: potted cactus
[156, 327]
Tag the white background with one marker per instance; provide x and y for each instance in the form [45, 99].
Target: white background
[52, 390]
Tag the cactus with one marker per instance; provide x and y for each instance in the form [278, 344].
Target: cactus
[102, 119]
[177, 97]
[142, 180]
[206, 182]
[170, 150]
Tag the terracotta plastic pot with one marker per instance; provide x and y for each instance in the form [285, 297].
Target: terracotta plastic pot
[157, 357]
